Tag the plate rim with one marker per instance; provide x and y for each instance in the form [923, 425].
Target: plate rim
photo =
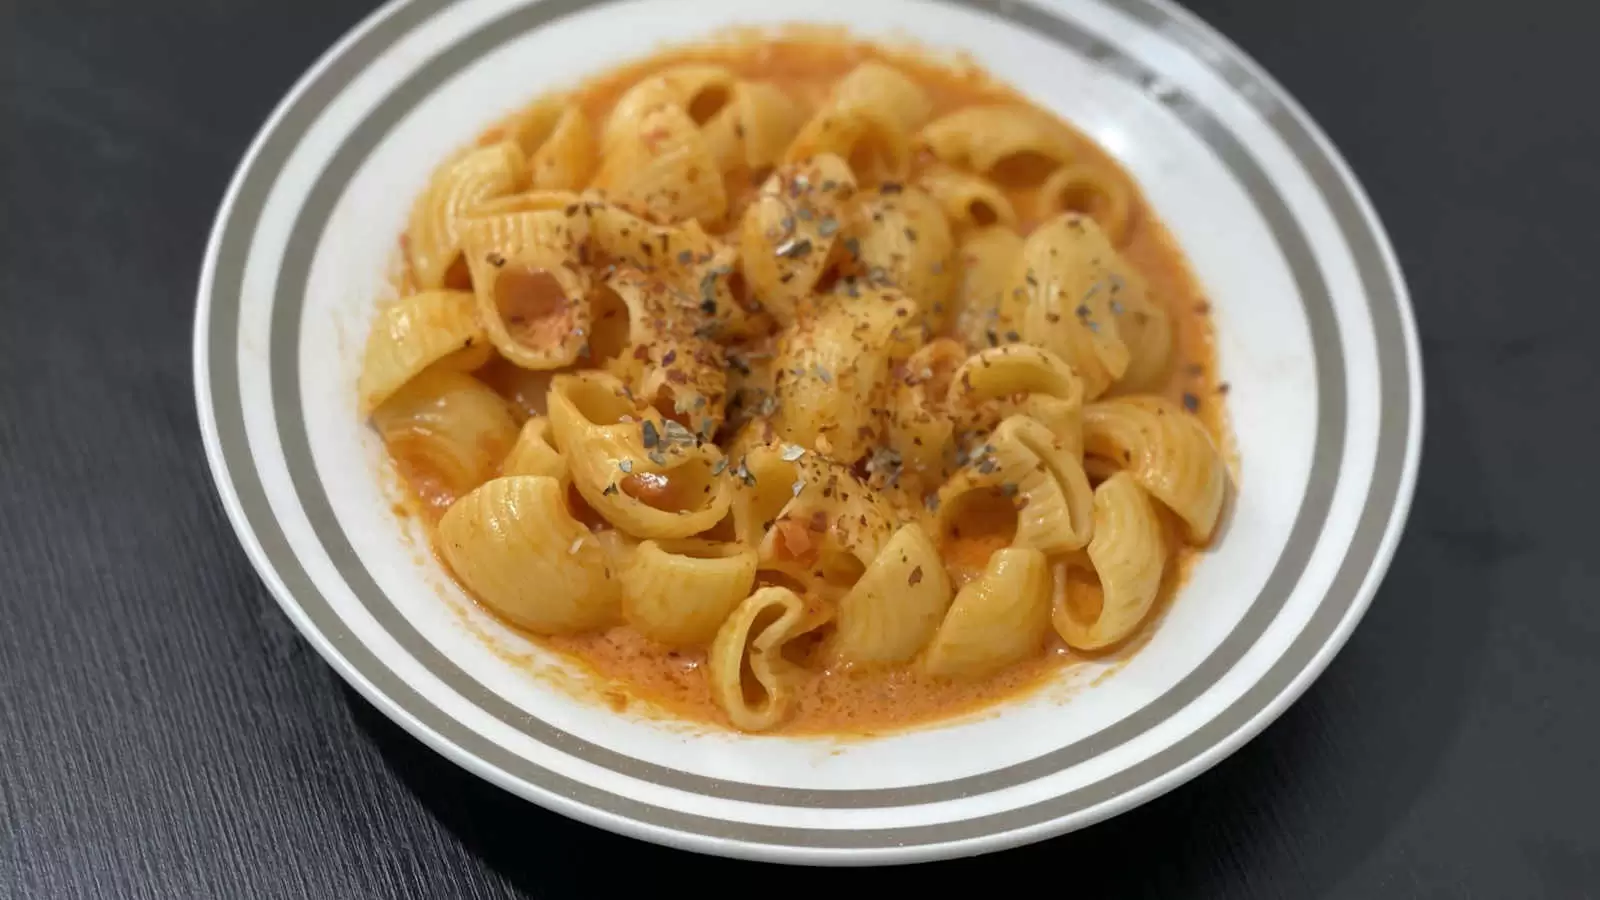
[1196, 36]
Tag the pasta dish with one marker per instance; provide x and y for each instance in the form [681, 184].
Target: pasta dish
[797, 384]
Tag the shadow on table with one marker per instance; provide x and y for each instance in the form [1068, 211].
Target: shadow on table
[1293, 813]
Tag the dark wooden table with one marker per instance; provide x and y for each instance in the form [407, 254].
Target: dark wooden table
[165, 733]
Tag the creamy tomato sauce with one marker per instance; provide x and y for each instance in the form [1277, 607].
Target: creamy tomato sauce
[630, 668]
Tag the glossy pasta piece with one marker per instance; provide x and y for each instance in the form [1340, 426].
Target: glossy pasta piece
[1093, 191]
[645, 475]
[882, 88]
[750, 679]
[754, 128]
[660, 167]
[413, 334]
[433, 235]
[700, 91]
[680, 592]
[565, 159]
[1001, 618]
[892, 612]
[1146, 327]
[684, 256]
[1013, 369]
[990, 381]
[809, 518]
[969, 201]
[988, 304]
[664, 357]
[1072, 280]
[917, 420]
[1167, 451]
[1009, 142]
[535, 453]
[833, 371]
[532, 125]
[764, 476]
[1025, 461]
[787, 236]
[531, 298]
[513, 544]
[1127, 556]
[863, 123]
[904, 241]
[447, 431]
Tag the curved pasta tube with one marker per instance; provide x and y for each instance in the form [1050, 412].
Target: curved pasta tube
[680, 592]
[660, 167]
[1145, 326]
[682, 255]
[917, 419]
[869, 139]
[1025, 461]
[536, 202]
[1013, 369]
[1167, 451]
[1071, 279]
[833, 370]
[619, 546]
[1001, 618]
[809, 518]
[672, 488]
[968, 200]
[1011, 143]
[535, 453]
[413, 334]
[447, 432]
[1092, 191]
[988, 383]
[530, 297]
[564, 160]
[903, 240]
[788, 234]
[699, 91]
[764, 480]
[513, 544]
[664, 359]
[882, 88]
[1127, 556]
[749, 677]
[754, 128]
[988, 304]
[894, 609]
[433, 234]
[532, 125]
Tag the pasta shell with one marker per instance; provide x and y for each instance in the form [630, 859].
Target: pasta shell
[513, 544]
[1001, 618]
[1127, 557]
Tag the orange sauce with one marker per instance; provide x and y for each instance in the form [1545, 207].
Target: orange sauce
[805, 62]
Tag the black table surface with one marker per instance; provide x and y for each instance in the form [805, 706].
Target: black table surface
[165, 733]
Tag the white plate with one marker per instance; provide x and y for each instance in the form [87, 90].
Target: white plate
[1316, 338]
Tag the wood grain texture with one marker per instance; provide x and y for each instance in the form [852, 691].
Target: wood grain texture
[164, 732]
